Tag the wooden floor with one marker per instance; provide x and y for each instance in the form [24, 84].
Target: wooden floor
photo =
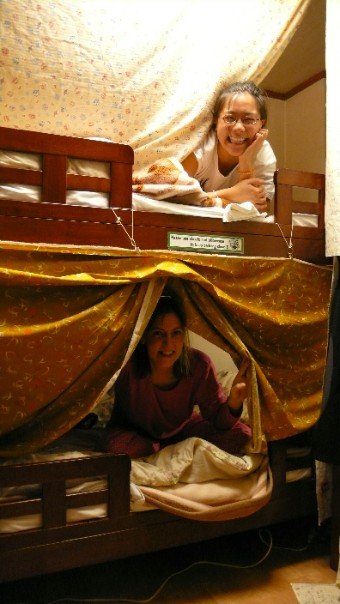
[300, 554]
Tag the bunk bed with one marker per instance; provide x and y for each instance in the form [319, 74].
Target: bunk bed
[61, 538]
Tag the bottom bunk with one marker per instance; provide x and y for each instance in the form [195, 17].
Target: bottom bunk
[90, 309]
[66, 531]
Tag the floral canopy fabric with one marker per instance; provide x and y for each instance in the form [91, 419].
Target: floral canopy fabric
[131, 72]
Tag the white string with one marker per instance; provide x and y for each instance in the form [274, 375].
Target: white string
[290, 243]
[130, 237]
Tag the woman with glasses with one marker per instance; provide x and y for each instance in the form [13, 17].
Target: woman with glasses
[160, 387]
[235, 162]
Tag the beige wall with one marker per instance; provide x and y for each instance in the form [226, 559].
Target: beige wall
[297, 129]
[276, 126]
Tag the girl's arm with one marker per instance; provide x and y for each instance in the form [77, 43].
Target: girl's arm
[251, 189]
[232, 410]
[239, 389]
[190, 164]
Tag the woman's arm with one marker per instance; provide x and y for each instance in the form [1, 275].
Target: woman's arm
[239, 389]
[190, 164]
[249, 186]
[251, 189]
[247, 190]
[238, 393]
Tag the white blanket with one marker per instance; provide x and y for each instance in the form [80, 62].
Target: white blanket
[197, 480]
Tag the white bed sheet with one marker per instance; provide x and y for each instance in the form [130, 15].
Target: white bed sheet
[145, 204]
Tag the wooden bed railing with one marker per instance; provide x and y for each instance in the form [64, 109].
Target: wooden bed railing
[58, 545]
[55, 221]
[53, 178]
[52, 478]
[286, 181]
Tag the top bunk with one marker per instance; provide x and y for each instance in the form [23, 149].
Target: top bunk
[74, 191]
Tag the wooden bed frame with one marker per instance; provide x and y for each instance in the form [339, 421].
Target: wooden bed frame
[56, 222]
[58, 545]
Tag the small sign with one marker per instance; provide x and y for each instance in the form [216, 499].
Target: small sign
[208, 244]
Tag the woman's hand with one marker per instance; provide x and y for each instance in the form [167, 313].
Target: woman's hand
[239, 389]
[247, 159]
[251, 189]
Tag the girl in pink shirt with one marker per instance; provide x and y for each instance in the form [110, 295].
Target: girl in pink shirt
[168, 392]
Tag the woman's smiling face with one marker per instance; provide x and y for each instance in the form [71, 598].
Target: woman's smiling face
[236, 137]
[164, 341]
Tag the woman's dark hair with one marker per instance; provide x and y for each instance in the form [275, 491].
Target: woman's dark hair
[167, 304]
[238, 88]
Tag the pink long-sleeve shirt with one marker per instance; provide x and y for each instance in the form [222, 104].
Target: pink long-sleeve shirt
[163, 413]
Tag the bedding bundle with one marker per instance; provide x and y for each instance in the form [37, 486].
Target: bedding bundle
[166, 179]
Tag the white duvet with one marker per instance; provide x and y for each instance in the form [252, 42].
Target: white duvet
[198, 480]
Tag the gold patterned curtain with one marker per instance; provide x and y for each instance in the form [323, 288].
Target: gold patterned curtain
[69, 318]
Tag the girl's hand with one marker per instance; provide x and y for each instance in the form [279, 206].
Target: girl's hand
[239, 389]
[246, 160]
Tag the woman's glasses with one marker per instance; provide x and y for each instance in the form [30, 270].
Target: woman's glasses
[230, 120]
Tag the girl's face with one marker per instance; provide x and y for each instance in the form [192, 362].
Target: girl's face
[234, 138]
[164, 341]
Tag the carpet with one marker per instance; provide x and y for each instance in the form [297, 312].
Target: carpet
[316, 593]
